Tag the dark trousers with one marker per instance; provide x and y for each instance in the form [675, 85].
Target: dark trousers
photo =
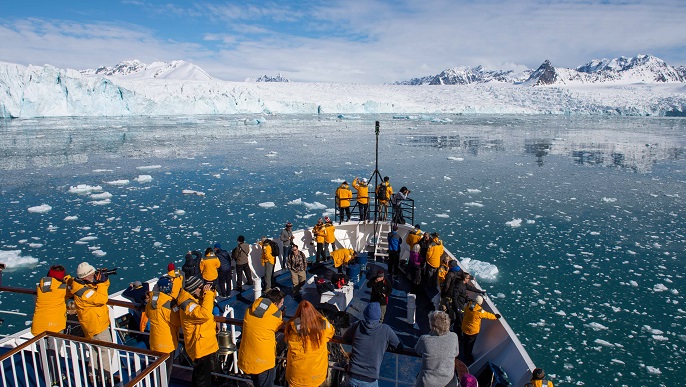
[393, 262]
[469, 341]
[264, 379]
[364, 210]
[224, 282]
[340, 216]
[457, 323]
[320, 256]
[243, 270]
[398, 215]
[202, 371]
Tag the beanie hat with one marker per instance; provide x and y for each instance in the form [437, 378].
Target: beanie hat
[538, 374]
[395, 227]
[56, 272]
[192, 283]
[217, 246]
[164, 285]
[479, 300]
[241, 238]
[372, 312]
[171, 267]
[327, 219]
[468, 380]
[417, 226]
[84, 270]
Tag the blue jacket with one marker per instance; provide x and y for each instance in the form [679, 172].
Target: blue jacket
[394, 241]
[369, 340]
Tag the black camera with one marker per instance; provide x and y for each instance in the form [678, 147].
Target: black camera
[109, 272]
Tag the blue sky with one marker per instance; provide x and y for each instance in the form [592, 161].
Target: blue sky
[370, 41]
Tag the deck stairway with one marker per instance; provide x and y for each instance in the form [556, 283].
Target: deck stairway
[381, 235]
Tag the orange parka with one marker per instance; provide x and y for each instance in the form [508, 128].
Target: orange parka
[91, 305]
[319, 233]
[177, 277]
[434, 253]
[209, 267]
[329, 236]
[413, 237]
[197, 322]
[362, 191]
[341, 256]
[257, 352]
[267, 255]
[343, 196]
[50, 314]
[307, 366]
[473, 313]
[165, 321]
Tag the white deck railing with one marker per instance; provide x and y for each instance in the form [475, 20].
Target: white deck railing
[53, 358]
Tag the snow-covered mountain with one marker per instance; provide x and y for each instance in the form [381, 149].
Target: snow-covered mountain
[639, 69]
[135, 69]
[267, 78]
[39, 91]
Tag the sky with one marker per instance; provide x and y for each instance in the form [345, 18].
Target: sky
[350, 41]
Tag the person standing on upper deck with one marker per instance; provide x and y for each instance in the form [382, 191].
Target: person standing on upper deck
[257, 353]
[241, 254]
[384, 191]
[396, 202]
[369, 339]
[297, 264]
[362, 188]
[286, 238]
[343, 196]
[459, 298]
[319, 236]
[471, 326]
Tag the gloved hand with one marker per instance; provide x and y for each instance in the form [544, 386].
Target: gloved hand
[498, 316]
[100, 276]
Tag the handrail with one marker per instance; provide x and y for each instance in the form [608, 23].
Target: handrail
[220, 319]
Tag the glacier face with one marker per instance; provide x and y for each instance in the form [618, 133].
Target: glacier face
[35, 91]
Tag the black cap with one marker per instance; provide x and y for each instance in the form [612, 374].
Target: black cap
[241, 238]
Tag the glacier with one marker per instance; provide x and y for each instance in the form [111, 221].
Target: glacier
[46, 91]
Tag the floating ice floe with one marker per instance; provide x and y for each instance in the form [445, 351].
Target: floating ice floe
[40, 209]
[660, 288]
[102, 170]
[297, 172]
[191, 192]
[13, 259]
[297, 201]
[653, 370]
[272, 154]
[453, 158]
[314, 206]
[179, 212]
[514, 222]
[267, 205]
[101, 196]
[609, 200]
[442, 215]
[338, 181]
[71, 218]
[35, 245]
[473, 204]
[596, 326]
[483, 270]
[99, 253]
[84, 189]
[100, 202]
[473, 190]
[148, 167]
[446, 178]
[143, 179]
[604, 343]
[118, 182]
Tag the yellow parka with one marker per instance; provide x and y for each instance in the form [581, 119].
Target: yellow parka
[209, 267]
[414, 237]
[343, 196]
[197, 322]
[319, 233]
[177, 277]
[267, 255]
[389, 193]
[165, 321]
[50, 314]
[434, 253]
[329, 236]
[341, 256]
[307, 366]
[258, 341]
[362, 191]
[91, 306]
[442, 272]
[473, 313]
[539, 383]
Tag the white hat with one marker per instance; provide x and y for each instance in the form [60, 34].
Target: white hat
[364, 180]
[479, 300]
[84, 270]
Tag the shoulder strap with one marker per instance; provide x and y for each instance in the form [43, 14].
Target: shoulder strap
[47, 285]
[79, 293]
[262, 307]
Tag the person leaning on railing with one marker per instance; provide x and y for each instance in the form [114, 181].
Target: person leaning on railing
[90, 290]
[165, 320]
[199, 329]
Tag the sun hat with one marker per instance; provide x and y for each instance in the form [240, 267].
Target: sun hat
[84, 270]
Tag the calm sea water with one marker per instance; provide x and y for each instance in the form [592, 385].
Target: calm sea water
[584, 218]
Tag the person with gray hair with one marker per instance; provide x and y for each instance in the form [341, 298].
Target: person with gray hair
[438, 349]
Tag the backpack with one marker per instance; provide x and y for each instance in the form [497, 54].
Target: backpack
[275, 248]
[382, 191]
